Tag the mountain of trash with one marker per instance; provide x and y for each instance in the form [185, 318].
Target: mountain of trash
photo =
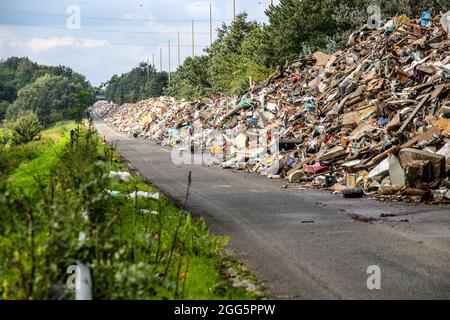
[371, 120]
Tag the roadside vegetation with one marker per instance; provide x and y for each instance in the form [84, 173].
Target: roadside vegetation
[60, 204]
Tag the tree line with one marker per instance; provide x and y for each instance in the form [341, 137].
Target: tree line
[140, 83]
[52, 93]
[245, 50]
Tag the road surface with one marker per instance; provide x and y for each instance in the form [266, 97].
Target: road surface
[308, 244]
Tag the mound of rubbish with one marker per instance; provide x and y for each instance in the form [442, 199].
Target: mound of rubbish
[371, 120]
[103, 109]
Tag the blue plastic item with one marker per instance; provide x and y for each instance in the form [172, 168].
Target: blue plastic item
[425, 19]
[389, 30]
[382, 121]
[309, 106]
[291, 162]
[253, 121]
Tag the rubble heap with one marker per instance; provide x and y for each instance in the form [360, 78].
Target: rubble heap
[104, 109]
[373, 119]
[168, 120]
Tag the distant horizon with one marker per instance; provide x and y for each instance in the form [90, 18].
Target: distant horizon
[114, 36]
[56, 65]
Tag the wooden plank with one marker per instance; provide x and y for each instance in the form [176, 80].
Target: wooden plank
[428, 135]
[439, 89]
[413, 114]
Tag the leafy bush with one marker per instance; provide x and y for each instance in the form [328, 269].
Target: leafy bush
[25, 128]
[5, 137]
[3, 107]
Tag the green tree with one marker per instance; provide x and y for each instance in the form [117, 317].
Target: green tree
[299, 27]
[140, 83]
[81, 100]
[190, 80]
[54, 98]
[235, 56]
[25, 128]
[55, 92]
[155, 86]
[4, 105]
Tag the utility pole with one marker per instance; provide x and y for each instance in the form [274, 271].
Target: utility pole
[179, 54]
[210, 24]
[153, 60]
[271, 2]
[193, 40]
[234, 10]
[160, 60]
[169, 61]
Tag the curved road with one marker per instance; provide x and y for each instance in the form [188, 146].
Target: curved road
[308, 244]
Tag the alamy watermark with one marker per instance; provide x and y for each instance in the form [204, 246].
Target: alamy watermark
[74, 280]
[209, 147]
[374, 280]
[74, 20]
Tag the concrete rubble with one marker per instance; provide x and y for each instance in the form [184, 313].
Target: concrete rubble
[373, 119]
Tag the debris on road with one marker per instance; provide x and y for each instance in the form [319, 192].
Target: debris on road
[371, 120]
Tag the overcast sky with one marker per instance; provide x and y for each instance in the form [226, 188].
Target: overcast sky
[114, 35]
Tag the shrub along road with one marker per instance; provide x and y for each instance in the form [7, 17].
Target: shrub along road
[308, 244]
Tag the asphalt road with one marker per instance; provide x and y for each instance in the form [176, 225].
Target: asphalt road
[308, 244]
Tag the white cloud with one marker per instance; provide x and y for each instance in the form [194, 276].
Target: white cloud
[43, 44]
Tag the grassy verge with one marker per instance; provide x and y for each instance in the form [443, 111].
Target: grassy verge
[11, 157]
[62, 206]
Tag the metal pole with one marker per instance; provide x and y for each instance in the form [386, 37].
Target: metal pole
[83, 290]
[234, 10]
[210, 24]
[160, 60]
[193, 40]
[179, 54]
[169, 61]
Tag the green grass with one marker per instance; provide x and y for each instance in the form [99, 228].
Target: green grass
[137, 249]
[207, 283]
[31, 173]
[37, 158]
[13, 157]
[58, 130]
[204, 277]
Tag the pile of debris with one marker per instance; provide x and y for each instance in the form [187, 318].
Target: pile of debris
[166, 119]
[103, 109]
[373, 119]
